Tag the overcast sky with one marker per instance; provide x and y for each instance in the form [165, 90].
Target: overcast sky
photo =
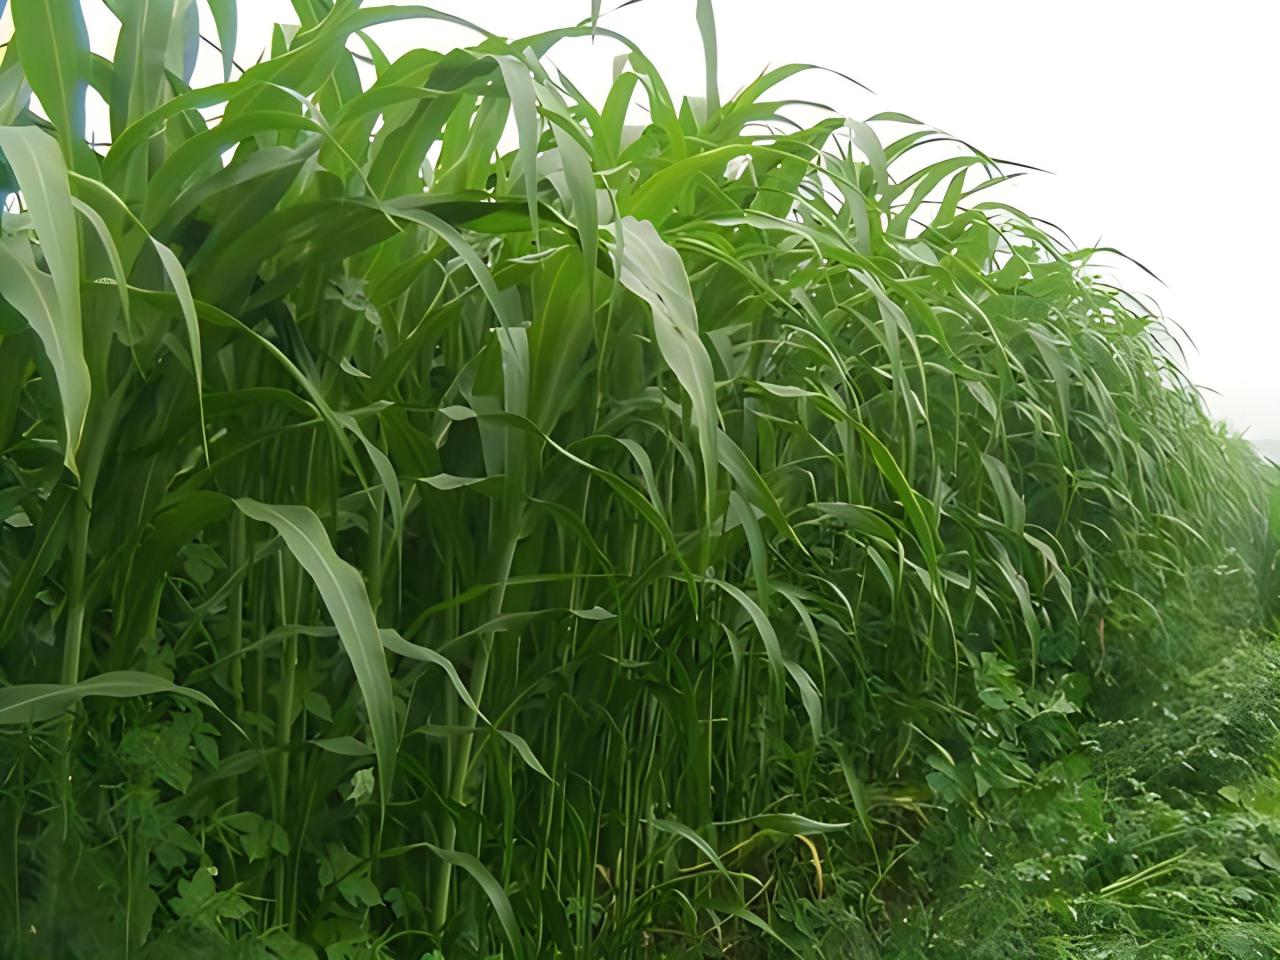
[1156, 118]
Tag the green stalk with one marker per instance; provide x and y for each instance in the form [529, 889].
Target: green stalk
[374, 551]
[73, 634]
[236, 612]
[73, 638]
[70, 673]
[284, 723]
[499, 572]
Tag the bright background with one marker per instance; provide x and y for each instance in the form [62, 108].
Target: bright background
[1156, 120]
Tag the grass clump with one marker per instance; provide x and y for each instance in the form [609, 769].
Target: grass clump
[627, 536]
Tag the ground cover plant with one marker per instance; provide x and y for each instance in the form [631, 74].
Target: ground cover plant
[1156, 837]
[447, 516]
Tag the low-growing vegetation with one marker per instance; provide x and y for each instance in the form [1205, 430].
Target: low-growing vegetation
[446, 516]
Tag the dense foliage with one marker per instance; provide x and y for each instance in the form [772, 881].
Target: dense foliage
[444, 513]
[1157, 838]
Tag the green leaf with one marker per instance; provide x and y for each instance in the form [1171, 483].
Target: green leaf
[344, 746]
[707, 27]
[653, 271]
[361, 785]
[778, 662]
[225, 19]
[138, 74]
[178, 280]
[49, 301]
[519, 84]
[913, 505]
[108, 243]
[402, 647]
[678, 829]
[51, 536]
[526, 753]
[33, 702]
[54, 46]
[492, 889]
[1012, 506]
[345, 597]
[795, 824]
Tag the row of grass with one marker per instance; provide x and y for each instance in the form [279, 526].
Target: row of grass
[445, 513]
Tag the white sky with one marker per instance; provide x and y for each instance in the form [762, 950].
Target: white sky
[1156, 119]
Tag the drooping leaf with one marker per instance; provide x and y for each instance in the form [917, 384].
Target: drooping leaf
[50, 301]
[347, 600]
[34, 702]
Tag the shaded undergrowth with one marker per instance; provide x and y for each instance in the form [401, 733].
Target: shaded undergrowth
[1158, 837]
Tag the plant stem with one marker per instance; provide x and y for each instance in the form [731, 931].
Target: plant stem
[501, 569]
[74, 629]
